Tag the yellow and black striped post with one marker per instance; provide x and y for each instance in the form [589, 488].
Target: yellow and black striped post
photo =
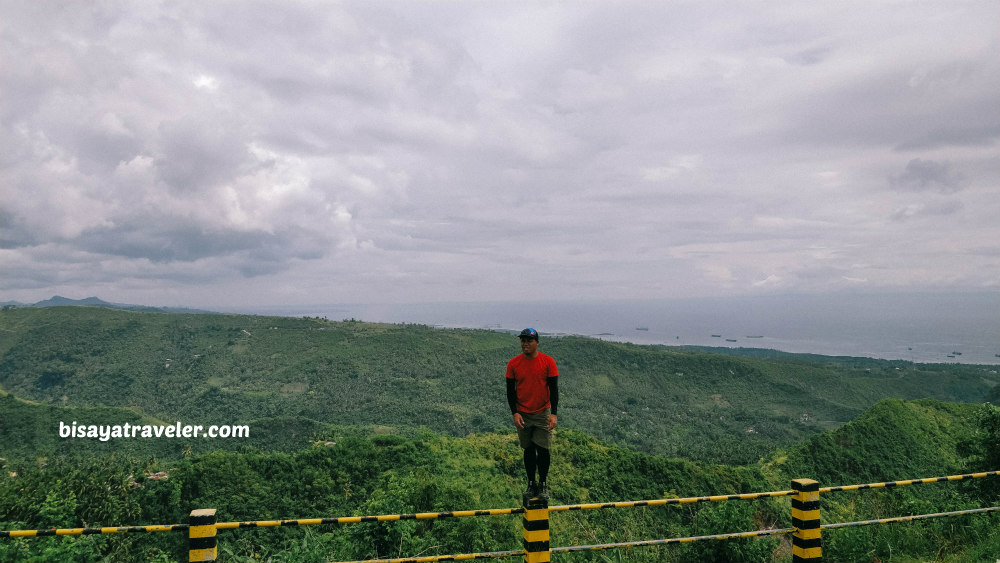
[536, 530]
[806, 542]
[201, 535]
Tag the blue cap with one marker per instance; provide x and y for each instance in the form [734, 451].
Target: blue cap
[529, 333]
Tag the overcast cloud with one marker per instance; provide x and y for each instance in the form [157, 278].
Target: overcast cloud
[235, 153]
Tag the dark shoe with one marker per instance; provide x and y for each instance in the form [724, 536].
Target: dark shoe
[530, 493]
[543, 491]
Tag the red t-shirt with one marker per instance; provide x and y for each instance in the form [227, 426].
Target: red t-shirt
[530, 375]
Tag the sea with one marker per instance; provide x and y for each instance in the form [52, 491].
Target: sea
[918, 327]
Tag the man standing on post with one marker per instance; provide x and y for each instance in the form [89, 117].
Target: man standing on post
[533, 396]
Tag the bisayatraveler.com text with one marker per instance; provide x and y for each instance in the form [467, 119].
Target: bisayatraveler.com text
[105, 432]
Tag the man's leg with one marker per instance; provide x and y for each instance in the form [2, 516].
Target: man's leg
[531, 462]
[534, 439]
[542, 460]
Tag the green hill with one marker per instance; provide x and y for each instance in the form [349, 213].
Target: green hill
[354, 475]
[236, 369]
[352, 418]
[59, 301]
[32, 431]
[897, 440]
[893, 438]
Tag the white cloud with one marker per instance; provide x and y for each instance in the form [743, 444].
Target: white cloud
[409, 151]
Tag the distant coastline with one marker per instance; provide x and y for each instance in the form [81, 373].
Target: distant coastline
[917, 327]
[922, 328]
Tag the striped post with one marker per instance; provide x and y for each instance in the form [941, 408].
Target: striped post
[806, 541]
[536, 530]
[201, 535]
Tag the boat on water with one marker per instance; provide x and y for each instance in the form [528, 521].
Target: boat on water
[716, 336]
[642, 328]
[755, 336]
[730, 340]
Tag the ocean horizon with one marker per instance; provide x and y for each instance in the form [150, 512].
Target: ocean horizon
[916, 327]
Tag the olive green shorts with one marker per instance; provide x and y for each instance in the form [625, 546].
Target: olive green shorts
[536, 429]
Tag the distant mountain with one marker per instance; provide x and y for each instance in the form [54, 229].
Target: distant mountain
[204, 369]
[60, 301]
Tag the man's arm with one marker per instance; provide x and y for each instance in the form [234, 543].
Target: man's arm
[512, 403]
[553, 383]
[511, 395]
[553, 393]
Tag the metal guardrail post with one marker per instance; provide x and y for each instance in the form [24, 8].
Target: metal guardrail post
[536, 530]
[806, 541]
[201, 535]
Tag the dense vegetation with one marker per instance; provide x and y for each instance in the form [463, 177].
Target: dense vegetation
[235, 369]
[351, 418]
[346, 474]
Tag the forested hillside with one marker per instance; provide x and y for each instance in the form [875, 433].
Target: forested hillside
[31, 431]
[352, 475]
[351, 418]
[309, 372]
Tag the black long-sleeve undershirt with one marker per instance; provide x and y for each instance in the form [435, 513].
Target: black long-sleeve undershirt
[512, 395]
[553, 383]
[553, 393]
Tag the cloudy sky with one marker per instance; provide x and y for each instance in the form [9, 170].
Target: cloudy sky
[234, 152]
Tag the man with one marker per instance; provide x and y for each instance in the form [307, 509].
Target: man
[533, 397]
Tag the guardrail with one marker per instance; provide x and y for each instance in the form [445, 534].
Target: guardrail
[806, 530]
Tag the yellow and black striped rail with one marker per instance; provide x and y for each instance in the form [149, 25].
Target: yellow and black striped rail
[465, 513]
[668, 501]
[202, 527]
[891, 484]
[90, 531]
[261, 523]
[360, 519]
[674, 541]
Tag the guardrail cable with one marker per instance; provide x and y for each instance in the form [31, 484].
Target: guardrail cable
[646, 543]
[910, 518]
[807, 548]
[433, 558]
